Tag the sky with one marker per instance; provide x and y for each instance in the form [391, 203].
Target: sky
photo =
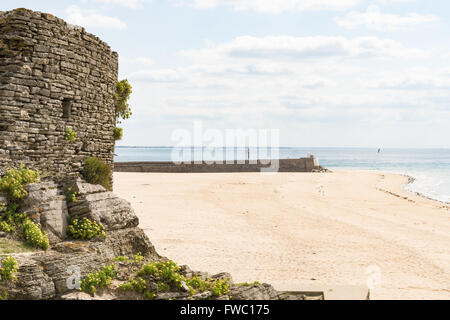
[325, 73]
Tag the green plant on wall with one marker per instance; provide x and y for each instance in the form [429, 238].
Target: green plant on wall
[12, 221]
[8, 267]
[98, 280]
[96, 171]
[22, 226]
[71, 196]
[85, 229]
[34, 236]
[14, 180]
[123, 110]
[118, 133]
[169, 279]
[71, 135]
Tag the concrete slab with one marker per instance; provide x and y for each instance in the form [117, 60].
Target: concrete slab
[336, 292]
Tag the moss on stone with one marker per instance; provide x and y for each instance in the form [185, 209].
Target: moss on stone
[8, 246]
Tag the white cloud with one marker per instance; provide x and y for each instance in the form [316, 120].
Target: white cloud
[273, 6]
[132, 4]
[292, 83]
[141, 61]
[418, 78]
[374, 19]
[160, 75]
[393, 1]
[303, 48]
[92, 19]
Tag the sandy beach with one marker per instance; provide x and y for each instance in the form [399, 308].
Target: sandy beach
[298, 229]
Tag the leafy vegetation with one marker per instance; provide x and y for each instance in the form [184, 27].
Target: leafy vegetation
[71, 196]
[98, 280]
[151, 279]
[71, 135]
[168, 278]
[123, 110]
[124, 259]
[6, 227]
[14, 222]
[118, 133]
[197, 284]
[34, 236]
[14, 180]
[121, 97]
[137, 258]
[138, 284]
[166, 274]
[247, 284]
[95, 171]
[8, 266]
[85, 229]
[219, 288]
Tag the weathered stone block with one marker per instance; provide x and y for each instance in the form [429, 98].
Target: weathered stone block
[254, 292]
[46, 204]
[106, 208]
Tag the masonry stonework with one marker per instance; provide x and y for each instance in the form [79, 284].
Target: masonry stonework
[310, 164]
[53, 76]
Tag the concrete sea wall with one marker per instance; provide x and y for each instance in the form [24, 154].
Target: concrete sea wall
[284, 165]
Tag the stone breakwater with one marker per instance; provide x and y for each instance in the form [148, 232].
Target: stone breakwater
[310, 164]
[53, 76]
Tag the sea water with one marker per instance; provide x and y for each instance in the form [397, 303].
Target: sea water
[429, 167]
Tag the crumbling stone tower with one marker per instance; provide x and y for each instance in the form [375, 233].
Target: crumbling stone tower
[54, 76]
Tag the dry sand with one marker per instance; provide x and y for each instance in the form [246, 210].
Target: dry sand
[298, 229]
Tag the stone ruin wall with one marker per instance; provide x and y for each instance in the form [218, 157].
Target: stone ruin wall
[54, 75]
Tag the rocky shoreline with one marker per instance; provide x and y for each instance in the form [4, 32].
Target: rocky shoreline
[44, 275]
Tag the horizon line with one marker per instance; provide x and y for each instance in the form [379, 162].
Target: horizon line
[339, 147]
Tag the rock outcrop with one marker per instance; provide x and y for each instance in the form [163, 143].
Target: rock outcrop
[43, 275]
[46, 204]
[46, 275]
[50, 274]
[99, 205]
